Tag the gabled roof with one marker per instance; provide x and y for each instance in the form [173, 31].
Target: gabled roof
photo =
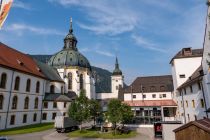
[144, 103]
[58, 97]
[13, 59]
[50, 72]
[195, 77]
[151, 84]
[194, 53]
[203, 124]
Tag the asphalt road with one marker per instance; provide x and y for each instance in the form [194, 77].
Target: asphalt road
[144, 134]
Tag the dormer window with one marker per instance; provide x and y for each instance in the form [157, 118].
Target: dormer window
[186, 51]
[19, 62]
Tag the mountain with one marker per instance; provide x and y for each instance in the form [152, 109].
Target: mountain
[102, 76]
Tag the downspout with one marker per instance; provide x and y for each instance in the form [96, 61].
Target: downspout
[10, 94]
[42, 100]
[204, 99]
[183, 107]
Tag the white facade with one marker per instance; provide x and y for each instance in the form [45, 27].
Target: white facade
[191, 105]
[148, 96]
[9, 93]
[183, 68]
[205, 60]
[76, 72]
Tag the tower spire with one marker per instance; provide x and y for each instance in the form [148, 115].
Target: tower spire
[117, 70]
[71, 29]
[116, 64]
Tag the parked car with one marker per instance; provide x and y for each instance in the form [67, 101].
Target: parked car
[3, 138]
[64, 124]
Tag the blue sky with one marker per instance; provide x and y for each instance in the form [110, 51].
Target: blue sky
[144, 34]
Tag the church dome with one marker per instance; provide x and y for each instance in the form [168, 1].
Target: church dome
[69, 55]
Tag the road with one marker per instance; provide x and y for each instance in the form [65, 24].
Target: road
[144, 134]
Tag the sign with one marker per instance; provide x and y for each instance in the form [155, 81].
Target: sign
[158, 129]
[5, 6]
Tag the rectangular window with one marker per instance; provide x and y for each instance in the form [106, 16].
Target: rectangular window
[199, 85]
[64, 114]
[144, 96]
[35, 116]
[186, 103]
[53, 116]
[153, 95]
[191, 89]
[193, 103]
[12, 120]
[54, 104]
[24, 118]
[181, 104]
[134, 96]
[45, 104]
[44, 116]
[164, 95]
[182, 75]
[202, 103]
[64, 105]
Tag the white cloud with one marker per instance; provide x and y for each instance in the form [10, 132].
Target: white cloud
[105, 53]
[21, 28]
[106, 17]
[142, 42]
[20, 4]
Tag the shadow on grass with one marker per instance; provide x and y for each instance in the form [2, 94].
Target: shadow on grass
[96, 133]
[26, 129]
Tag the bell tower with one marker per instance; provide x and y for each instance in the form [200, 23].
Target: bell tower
[117, 79]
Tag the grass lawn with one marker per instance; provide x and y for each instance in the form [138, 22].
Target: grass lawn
[27, 129]
[97, 134]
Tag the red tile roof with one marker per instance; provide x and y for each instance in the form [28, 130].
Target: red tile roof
[151, 103]
[14, 59]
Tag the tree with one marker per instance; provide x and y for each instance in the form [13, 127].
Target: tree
[95, 109]
[118, 112]
[79, 109]
[114, 112]
[127, 113]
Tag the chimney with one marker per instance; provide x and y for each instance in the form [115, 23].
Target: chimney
[186, 51]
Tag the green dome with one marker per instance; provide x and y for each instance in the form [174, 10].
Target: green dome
[69, 55]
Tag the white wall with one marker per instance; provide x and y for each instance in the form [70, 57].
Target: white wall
[89, 84]
[196, 95]
[206, 57]
[21, 94]
[159, 96]
[186, 66]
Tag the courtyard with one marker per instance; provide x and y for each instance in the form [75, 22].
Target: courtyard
[145, 133]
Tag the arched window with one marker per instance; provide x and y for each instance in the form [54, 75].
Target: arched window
[14, 102]
[81, 81]
[70, 80]
[28, 85]
[52, 89]
[26, 103]
[37, 86]
[17, 83]
[1, 101]
[3, 80]
[36, 103]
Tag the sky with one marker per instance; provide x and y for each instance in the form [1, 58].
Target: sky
[143, 34]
